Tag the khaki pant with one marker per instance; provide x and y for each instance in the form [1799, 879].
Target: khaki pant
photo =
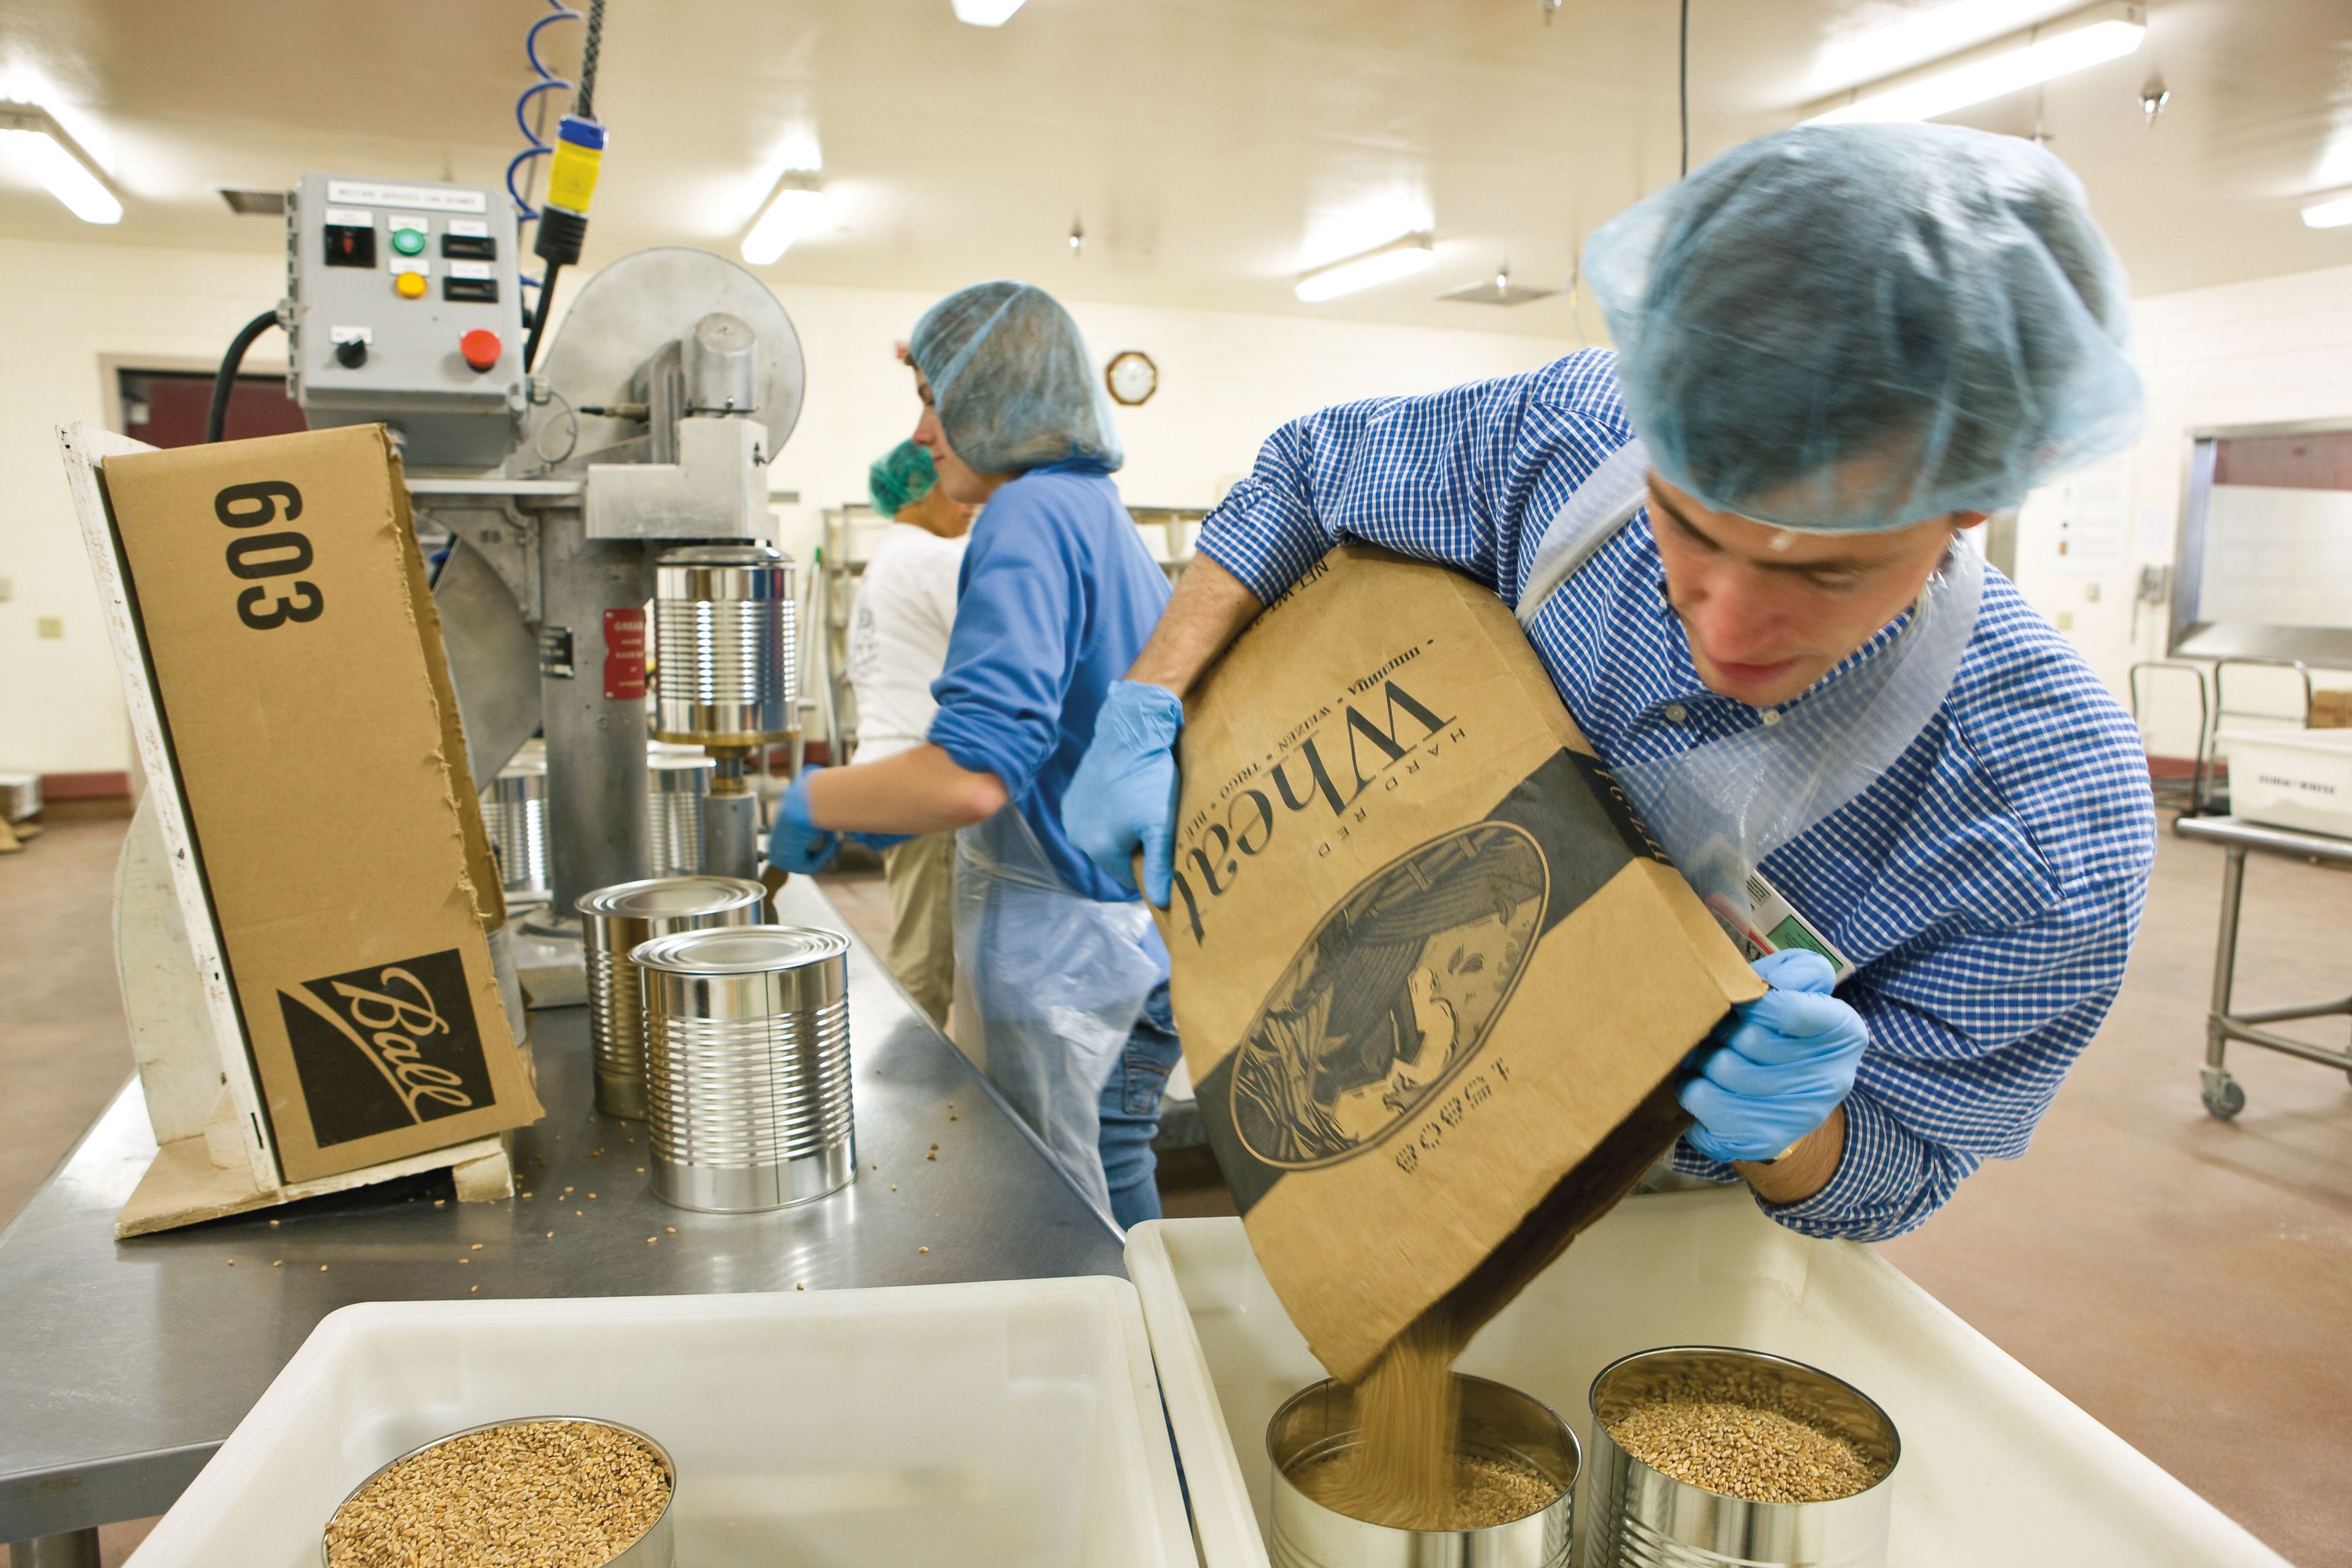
[921, 874]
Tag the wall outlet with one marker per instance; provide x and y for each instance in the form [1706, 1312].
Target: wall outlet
[2065, 620]
[49, 627]
[8, 590]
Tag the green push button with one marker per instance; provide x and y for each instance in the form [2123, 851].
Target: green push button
[408, 241]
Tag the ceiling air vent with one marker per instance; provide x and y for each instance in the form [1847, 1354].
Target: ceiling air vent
[1499, 290]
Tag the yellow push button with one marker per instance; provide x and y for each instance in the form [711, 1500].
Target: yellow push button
[409, 285]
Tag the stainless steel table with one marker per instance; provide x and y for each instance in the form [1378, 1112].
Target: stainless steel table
[125, 1365]
[2224, 1096]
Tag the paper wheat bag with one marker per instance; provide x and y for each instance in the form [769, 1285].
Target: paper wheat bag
[1432, 976]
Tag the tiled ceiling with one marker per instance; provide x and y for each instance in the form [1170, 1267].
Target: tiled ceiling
[1208, 148]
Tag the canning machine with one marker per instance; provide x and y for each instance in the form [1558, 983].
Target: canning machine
[626, 466]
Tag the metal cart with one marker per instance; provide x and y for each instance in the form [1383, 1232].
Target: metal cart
[2224, 1096]
[2206, 791]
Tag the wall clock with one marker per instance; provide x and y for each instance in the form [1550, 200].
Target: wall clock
[1131, 377]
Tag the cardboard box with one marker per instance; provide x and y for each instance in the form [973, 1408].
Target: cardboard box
[2331, 710]
[281, 607]
[1432, 976]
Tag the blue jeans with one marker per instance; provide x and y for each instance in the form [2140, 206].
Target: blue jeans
[1130, 1111]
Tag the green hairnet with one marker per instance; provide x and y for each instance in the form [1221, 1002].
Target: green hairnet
[901, 479]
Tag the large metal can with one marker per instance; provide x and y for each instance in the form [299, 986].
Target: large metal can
[614, 920]
[654, 1548]
[747, 1067]
[1497, 1423]
[678, 781]
[514, 811]
[1637, 1517]
[725, 635]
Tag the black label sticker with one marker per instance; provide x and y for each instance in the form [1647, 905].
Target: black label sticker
[388, 1046]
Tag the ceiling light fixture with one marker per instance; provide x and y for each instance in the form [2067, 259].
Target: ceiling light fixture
[2078, 41]
[986, 13]
[793, 214]
[2336, 212]
[42, 149]
[1400, 258]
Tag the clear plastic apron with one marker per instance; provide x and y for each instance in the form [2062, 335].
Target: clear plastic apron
[1720, 808]
[1048, 986]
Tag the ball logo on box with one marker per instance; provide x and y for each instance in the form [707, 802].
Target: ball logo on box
[412, 1022]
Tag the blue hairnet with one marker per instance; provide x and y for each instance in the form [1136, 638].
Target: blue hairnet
[1854, 327]
[1015, 386]
[901, 479]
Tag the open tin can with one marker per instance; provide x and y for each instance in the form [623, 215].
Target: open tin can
[747, 1067]
[1500, 1423]
[653, 1549]
[1638, 1517]
[614, 920]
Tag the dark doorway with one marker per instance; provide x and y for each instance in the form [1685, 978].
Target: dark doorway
[167, 407]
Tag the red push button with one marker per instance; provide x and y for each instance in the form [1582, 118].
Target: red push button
[481, 348]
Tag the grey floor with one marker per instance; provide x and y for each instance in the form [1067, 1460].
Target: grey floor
[2185, 1281]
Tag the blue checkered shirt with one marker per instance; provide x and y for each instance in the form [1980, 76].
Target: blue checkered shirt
[1987, 885]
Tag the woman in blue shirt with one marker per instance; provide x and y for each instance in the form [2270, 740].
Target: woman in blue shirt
[1061, 980]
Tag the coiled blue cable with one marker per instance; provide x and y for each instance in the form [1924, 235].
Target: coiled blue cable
[547, 82]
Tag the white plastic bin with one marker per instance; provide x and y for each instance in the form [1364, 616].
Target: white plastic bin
[2300, 779]
[1008, 1423]
[1997, 1468]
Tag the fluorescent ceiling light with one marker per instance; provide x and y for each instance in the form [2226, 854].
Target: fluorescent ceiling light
[795, 211]
[2334, 213]
[2072, 43]
[1398, 259]
[986, 13]
[42, 149]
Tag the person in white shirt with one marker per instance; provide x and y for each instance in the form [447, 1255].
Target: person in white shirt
[898, 644]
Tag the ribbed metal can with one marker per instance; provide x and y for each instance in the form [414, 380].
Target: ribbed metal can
[678, 779]
[20, 796]
[613, 921]
[1499, 1423]
[1637, 1517]
[747, 1067]
[514, 811]
[725, 635]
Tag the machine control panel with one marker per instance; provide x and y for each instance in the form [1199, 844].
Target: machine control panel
[406, 310]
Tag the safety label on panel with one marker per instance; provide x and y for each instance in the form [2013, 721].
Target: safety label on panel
[424, 198]
[624, 655]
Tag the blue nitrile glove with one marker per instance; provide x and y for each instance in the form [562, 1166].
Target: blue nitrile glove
[796, 843]
[1784, 1062]
[1123, 797]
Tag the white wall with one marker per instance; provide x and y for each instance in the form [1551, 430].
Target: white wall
[2273, 350]
[61, 306]
[1226, 382]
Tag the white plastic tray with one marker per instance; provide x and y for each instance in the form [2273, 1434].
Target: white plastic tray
[1997, 1466]
[1008, 1423]
[2298, 779]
